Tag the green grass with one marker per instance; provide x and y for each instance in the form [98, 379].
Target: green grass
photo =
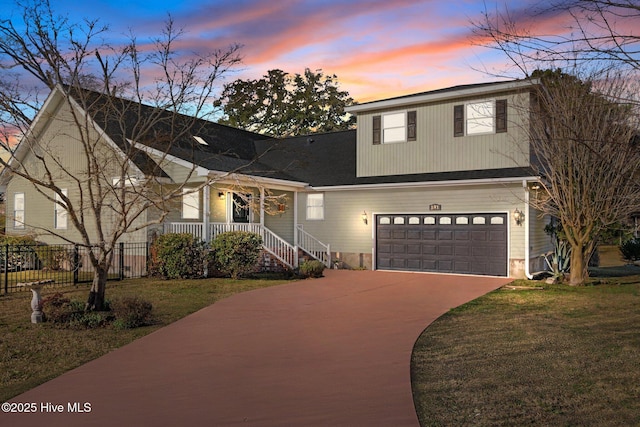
[559, 356]
[32, 354]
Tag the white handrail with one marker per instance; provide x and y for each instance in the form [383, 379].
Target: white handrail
[314, 247]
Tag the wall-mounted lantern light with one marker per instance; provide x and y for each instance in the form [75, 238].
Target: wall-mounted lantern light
[518, 217]
[364, 217]
[220, 195]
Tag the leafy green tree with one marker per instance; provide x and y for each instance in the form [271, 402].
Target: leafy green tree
[282, 104]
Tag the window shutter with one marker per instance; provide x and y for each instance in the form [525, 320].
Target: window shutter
[458, 120]
[501, 115]
[411, 125]
[377, 124]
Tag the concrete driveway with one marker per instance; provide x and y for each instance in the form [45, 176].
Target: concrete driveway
[327, 352]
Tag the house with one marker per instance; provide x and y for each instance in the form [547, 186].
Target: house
[435, 181]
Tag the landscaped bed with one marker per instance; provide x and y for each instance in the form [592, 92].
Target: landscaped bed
[558, 356]
[31, 354]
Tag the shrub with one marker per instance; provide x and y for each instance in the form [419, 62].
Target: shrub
[61, 310]
[21, 253]
[90, 320]
[313, 268]
[55, 258]
[178, 256]
[236, 253]
[131, 312]
[631, 249]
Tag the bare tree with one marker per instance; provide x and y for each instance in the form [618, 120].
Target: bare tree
[585, 120]
[582, 138]
[149, 101]
[598, 34]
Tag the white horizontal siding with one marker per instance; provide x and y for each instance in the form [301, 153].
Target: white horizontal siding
[344, 229]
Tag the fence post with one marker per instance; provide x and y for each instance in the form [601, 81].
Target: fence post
[6, 268]
[121, 260]
[76, 264]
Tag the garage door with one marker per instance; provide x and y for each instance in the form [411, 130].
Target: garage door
[454, 243]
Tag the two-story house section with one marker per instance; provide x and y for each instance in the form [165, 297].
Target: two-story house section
[440, 183]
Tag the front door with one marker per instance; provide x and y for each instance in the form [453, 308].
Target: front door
[241, 208]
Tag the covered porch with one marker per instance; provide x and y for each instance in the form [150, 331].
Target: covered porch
[269, 212]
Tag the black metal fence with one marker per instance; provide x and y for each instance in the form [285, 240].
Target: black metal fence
[62, 265]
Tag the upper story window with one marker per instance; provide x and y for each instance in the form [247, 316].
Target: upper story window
[190, 204]
[394, 127]
[60, 213]
[478, 118]
[18, 210]
[315, 206]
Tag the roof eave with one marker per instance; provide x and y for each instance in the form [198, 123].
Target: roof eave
[447, 183]
[441, 96]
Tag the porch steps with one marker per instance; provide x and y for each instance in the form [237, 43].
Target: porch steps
[271, 264]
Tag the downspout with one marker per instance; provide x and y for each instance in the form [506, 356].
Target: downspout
[526, 230]
[206, 219]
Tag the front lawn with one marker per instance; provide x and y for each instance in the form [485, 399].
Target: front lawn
[558, 356]
[32, 354]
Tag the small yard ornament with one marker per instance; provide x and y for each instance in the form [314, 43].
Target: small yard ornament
[36, 303]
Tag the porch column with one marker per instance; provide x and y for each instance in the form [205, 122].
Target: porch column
[262, 206]
[295, 219]
[206, 212]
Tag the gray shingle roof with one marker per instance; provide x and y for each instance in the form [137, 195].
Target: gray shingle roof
[324, 159]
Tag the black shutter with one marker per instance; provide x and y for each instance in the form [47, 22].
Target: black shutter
[458, 120]
[411, 126]
[377, 121]
[501, 115]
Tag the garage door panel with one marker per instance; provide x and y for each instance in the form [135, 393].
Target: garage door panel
[428, 249]
[384, 248]
[399, 234]
[445, 235]
[462, 266]
[463, 251]
[384, 233]
[445, 250]
[399, 249]
[414, 249]
[414, 234]
[429, 235]
[445, 266]
[398, 263]
[462, 235]
[466, 243]
[414, 264]
[479, 236]
[497, 236]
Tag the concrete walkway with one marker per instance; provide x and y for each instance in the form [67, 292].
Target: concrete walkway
[327, 352]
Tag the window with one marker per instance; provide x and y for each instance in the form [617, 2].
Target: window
[190, 204]
[480, 117]
[395, 127]
[477, 118]
[60, 218]
[18, 210]
[315, 206]
[129, 181]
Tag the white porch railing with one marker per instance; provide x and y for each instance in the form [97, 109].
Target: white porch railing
[271, 242]
[314, 247]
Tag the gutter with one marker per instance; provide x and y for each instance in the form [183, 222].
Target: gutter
[447, 183]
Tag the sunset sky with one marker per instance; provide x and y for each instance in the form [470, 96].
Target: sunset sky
[377, 48]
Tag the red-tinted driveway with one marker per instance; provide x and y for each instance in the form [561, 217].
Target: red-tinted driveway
[326, 352]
